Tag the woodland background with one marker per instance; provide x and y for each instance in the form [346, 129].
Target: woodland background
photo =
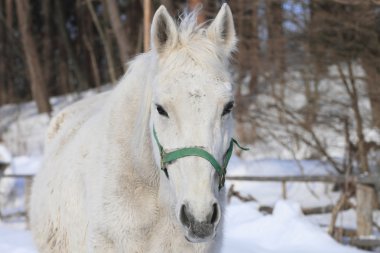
[50, 48]
[307, 72]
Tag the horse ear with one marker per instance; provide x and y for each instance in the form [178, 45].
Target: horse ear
[164, 32]
[222, 30]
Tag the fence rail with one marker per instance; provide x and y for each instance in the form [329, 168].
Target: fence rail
[369, 180]
[17, 176]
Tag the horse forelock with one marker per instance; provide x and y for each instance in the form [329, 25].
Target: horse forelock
[194, 44]
[194, 49]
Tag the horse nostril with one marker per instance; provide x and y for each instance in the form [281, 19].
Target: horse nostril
[184, 216]
[215, 214]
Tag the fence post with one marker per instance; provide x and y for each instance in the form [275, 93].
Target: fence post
[284, 193]
[364, 196]
[147, 19]
[28, 191]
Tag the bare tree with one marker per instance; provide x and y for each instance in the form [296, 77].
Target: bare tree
[63, 71]
[94, 64]
[370, 59]
[248, 61]
[104, 39]
[86, 41]
[118, 29]
[68, 46]
[147, 20]
[37, 80]
[135, 26]
[47, 42]
[8, 29]
[3, 77]
[276, 37]
[371, 66]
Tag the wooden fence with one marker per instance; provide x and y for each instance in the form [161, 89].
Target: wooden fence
[370, 180]
[364, 216]
[337, 179]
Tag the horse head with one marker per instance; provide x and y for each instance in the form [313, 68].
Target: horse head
[191, 108]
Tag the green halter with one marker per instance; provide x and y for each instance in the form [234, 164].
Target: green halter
[169, 157]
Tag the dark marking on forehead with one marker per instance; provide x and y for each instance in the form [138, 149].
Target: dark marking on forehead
[197, 94]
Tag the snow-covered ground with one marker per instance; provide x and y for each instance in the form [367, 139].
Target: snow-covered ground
[247, 230]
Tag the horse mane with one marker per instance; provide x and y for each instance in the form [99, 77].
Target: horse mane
[194, 46]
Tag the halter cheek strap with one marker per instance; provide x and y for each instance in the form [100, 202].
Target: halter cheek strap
[169, 157]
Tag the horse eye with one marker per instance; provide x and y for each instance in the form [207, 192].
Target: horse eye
[228, 108]
[162, 111]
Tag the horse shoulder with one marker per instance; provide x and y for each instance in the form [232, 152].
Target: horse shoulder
[70, 116]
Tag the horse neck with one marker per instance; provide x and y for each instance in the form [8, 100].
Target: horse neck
[124, 118]
[128, 94]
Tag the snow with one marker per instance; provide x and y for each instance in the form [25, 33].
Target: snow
[246, 230]
[5, 155]
[286, 231]
[12, 190]
[23, 129]
[26, 165]
[16, 240]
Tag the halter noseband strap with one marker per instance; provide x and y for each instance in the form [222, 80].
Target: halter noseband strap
[169, 157]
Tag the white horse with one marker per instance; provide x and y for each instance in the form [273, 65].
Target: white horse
[101, 189]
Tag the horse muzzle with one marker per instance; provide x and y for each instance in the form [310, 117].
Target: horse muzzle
[197, 231]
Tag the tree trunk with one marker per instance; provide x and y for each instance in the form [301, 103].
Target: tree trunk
[134, 28]
[9, 27]
[316, 50]
[246, 22]
[119, 68]
[3, 76]
[9, 14]
[371, 61]
[276, 53]
[87, 34]
[276, 37]
[118, 29]
[63, 73]
[255, 48]
[37, 80]
[82, 81]
[47, 42]
[372, 69]
[106, 43]
[147, 20]
[94, 64]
